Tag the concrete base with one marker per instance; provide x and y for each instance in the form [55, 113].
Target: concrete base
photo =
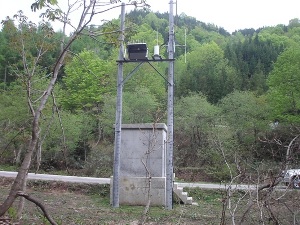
[135, 191]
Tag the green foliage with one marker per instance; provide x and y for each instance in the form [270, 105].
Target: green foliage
[293, 23]
[100, 161]
[146, 77]
[195, 111]
[3, 49]
[15, 121]
[62, 137]
[110, 36]
[205, 36]
[108, 115]
[220, 68]
[13, 105]
[39, 4]
[247, 114]
[9, 55]
[51, 13]
[203, 138]
[147, 35]
[196, 121]
[253, 57]
[283, 84]
[29, 44]
[86, 81]
[139, 106]
[207, 72]
[12, 212]
[276, 36]
[99, 45]
[157, 24]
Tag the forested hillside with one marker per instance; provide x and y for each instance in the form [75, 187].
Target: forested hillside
[237, 96]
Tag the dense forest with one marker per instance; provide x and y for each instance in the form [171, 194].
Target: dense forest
[237, 96]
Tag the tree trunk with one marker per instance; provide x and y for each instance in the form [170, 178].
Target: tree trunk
[20, 180]
[288, 153]
[21, 203]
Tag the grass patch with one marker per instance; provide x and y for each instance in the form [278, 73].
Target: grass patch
[8, 168]
[208, 196]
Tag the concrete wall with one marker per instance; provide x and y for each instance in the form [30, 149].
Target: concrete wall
[138, 191]
[143, 149]
[143, 164]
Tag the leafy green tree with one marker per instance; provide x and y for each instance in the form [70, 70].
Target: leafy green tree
[3, 66]
[8, 52]
[195, 117]
[208, 72]
[12, 34]
[98, 45]
[87, 80]
[140, 106]
[14, 123]
[29, 66]
[205, 36]
[65, 139]
[294, 34]
[283, 82]
[157, 24]
[276, 36]
[195, 110]
[247, 114]
[253, 59]
[295, 22]
[202, 137]
[146, 77]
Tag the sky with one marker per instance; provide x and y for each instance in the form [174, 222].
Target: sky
[230, 14]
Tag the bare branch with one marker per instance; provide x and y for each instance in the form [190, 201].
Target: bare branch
[39, 204]
[288, 152]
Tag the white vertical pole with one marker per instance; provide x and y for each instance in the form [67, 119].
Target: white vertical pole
[118, 123]
[169, 172]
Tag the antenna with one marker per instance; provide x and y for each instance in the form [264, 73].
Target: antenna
[184, 35]
[176, 8]
[156, 55]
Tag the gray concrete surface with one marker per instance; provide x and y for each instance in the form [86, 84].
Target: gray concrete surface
[94, 180]
[143, 150]
[49, 177]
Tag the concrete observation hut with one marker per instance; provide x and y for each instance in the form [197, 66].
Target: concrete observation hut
[142, 174]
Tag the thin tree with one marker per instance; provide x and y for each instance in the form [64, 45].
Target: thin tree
[89, 9]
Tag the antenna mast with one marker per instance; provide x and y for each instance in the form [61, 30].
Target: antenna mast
[184, 36]
[170, 142]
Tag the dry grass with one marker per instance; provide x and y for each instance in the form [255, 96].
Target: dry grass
[89, 204]
[72, 204]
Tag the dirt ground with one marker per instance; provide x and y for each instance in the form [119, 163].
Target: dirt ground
[72, 204]
[75, 204]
